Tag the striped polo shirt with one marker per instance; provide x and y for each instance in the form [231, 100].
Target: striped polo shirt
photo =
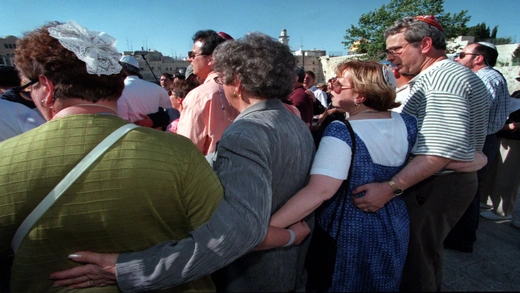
[450, 103]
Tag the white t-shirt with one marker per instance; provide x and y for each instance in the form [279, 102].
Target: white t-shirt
[141, 97]
[16, 118]
[385, 139]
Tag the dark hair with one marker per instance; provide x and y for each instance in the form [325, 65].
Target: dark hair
[264, 66]
[182, 87]
[300, 73]
[167, 75]
[415, 30]
[210, 40]
[130, 69]
[9, 77]
[180, 76]
[309, 72]
[490, 55]
[37, 53]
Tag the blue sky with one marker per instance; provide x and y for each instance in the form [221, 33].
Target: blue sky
[168, 25]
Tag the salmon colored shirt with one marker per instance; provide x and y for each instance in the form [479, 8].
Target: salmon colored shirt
[203, 119]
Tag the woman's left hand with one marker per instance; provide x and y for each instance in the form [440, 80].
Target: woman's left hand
[99, 271]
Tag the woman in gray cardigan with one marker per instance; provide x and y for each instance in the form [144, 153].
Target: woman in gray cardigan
[263, 158]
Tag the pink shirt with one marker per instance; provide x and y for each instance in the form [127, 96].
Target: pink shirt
[202, 119]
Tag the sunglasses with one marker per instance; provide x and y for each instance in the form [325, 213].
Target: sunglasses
[463, 54]
[192, 55]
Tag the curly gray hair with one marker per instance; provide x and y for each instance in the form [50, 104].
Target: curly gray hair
[264, 66]
[416, 30]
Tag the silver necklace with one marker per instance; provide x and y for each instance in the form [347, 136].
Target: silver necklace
[96, 105]
[222, 102]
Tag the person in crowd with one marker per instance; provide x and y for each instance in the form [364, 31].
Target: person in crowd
[379, 236]
[8, 78]
[402, 91]
[206, 112]
[301, 99]
[139, 193]
[480, 58]
[259, 173]
[166, 81]
[178, 91]
[142, 102]
[16, 118]
[451, 105]
[10, 89]
[502, 183]
[308, 83]
[178, 76]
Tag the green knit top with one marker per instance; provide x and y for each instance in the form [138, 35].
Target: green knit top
[149, 187]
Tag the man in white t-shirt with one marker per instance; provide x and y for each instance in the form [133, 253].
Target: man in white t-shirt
[140, 97]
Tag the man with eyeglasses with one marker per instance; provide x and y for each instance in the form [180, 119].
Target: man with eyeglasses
[206, 112]
[450, 104]
[480, 58]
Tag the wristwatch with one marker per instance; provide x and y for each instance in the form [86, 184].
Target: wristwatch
[397, 190]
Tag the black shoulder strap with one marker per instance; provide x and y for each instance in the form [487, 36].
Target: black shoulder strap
[345, 183]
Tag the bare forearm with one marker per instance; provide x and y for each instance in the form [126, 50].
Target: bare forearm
[319, 189]
[420, 168]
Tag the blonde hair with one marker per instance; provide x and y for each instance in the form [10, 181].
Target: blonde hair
[368, 80]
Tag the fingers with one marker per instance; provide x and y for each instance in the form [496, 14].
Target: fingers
[87, 257]
[76, 273]
[71, 281]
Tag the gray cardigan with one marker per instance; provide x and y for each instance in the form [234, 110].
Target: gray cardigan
[264, 158]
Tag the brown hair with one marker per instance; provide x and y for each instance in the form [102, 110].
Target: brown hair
[182, 87]
[368, 81]
[37, 53]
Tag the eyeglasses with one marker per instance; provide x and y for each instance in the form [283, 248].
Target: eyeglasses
[25, 86]
[396, 51]
[25, 90]
[463, 54]
[337, 86]
[192, 55]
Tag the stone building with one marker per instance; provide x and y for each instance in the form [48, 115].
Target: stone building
[7, 46]
[158, 64]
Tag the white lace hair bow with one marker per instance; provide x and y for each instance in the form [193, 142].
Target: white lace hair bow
[96, 49]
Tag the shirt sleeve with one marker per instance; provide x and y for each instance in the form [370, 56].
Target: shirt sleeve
[238, 225]
[322, 97]
[332, 158]
[193, 121]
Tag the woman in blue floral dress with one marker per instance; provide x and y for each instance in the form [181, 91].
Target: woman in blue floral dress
[372, 244]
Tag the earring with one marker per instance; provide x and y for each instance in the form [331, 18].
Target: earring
[234, 94]
[42, 102]
[356, 104]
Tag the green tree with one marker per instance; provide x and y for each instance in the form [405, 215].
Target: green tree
[368, 36]
[482, 33]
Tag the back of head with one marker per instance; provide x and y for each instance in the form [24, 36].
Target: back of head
[39, 53]
[416, 28]
[369, 79]
[9, 77]
[300, 73]
[130, 65]
[264, 66]
[182, 87]
[210, 40]
[488, 51]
